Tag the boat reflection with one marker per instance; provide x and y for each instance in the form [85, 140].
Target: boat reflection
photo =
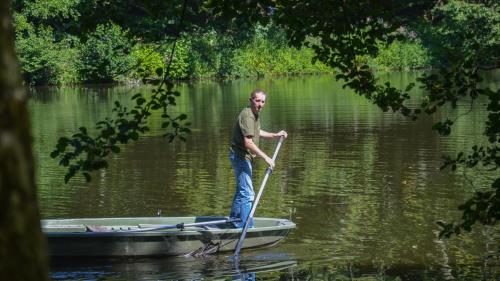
[250, 266]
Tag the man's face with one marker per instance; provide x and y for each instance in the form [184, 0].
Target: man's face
[257, 103]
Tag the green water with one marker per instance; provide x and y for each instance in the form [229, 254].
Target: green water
[363, 186]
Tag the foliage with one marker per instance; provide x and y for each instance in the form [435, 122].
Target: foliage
[179, 59]
[463, 30]
[206, 53]
[153, 21]
[148, 60]
[344, 32]
[50, 9]
[403, 56]
[254, 59]
[43, 60]
[209, 53]
[268, 53]
[217, 47]
[105, 54]
[263, 58]
[47, 54]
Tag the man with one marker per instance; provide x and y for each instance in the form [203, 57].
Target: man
[244, 148]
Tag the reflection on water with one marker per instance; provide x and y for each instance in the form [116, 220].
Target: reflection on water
[271, 264]
[249, 267]
[363, 186]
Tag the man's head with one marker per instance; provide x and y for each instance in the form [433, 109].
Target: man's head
[257, 100]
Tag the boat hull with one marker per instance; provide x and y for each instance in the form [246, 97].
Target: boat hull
[123, 237]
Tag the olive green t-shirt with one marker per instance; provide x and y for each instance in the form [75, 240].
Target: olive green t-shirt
[247, 125]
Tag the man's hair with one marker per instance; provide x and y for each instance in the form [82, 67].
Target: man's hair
[257, 91]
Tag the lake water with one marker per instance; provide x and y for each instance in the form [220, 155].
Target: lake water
[363, 186]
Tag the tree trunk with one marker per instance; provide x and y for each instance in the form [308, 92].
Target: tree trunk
[23, 254]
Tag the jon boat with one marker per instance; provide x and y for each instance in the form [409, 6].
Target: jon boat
[157, 236]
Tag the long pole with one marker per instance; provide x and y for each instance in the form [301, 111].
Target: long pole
[254, 206]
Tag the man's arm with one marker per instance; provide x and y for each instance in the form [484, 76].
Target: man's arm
[254, 149]
[268, 135]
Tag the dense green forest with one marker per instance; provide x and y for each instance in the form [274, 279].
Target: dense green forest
[66, 42]
[61, 42]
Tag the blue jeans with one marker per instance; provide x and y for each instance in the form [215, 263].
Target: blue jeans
[244, 194]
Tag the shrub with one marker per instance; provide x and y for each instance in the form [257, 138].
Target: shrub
[43, 60]
[179, 68]
[106, 54]
[148, 60]
[205, 53]
[261, 57]
[403, 56]
[253, 59]
[464, 29]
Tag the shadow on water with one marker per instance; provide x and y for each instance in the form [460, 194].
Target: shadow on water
[268, 265]
[250, 267]
[276, 263]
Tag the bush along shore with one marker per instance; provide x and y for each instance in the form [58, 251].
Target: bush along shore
[74, 42]
[111, 54]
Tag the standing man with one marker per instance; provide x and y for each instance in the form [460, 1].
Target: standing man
[244, 148]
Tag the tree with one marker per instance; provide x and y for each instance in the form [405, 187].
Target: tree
[342, 31]
[105, 54]
[460, 29]
[22, 246]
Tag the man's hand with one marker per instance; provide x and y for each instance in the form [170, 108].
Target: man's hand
[281, 133]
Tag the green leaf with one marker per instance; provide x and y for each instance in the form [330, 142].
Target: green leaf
[87, 176]
[54, 154]
[140, 101]
[134, 135]
[159, 71]
[115, 149]
[409, 87]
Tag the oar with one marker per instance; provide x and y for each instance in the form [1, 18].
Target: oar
[254, 206]
[180, 226]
